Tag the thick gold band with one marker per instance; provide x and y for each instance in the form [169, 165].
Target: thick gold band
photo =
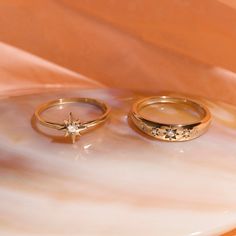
[170, 132]
[72, 127]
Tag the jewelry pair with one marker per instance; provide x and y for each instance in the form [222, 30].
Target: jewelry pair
[159, 130]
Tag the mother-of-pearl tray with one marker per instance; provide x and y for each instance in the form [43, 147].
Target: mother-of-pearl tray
[113, 181]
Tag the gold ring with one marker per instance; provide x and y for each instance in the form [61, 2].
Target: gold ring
[72, 127]
[168, 131]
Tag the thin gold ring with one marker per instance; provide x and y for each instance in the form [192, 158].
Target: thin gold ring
[73, 127]
[170, 132]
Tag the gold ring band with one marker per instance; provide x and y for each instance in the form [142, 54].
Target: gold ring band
[71, 127]
[170, 132]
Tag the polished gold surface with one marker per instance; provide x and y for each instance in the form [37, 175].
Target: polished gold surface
[170, 131]
[72, 127]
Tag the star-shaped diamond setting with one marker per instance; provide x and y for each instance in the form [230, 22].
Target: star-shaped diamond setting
[73, 128]
[170, 133]
[186, 133]
[156, 132]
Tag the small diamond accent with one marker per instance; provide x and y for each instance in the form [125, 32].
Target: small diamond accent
[72, 129]
[170, 133]
[143, 127]
[155, 131]
[186, 133]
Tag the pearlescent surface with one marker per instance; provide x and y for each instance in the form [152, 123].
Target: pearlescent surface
[114, 180]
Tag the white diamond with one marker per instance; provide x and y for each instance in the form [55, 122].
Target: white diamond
[170, 133]
[155, 131]
[72, 128]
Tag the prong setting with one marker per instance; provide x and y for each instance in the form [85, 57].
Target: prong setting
[73, 128]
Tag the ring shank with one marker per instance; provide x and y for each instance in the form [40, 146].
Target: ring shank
[170, 132]
[62, 101]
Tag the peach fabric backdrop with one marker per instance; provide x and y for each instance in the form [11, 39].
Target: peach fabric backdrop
[183, 45]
